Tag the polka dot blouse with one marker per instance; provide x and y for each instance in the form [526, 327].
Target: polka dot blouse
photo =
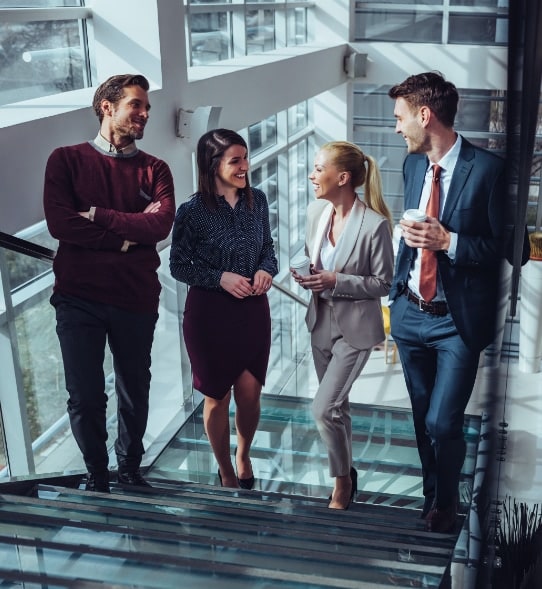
[207, 243]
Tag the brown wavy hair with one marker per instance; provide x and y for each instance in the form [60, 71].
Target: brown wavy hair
[210, 151]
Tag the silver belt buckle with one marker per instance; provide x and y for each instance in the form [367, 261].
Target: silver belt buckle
[420, 302]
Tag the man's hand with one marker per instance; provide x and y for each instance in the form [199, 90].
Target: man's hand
[153, 207]
[429, 234]
[126, 245]
[237, 285]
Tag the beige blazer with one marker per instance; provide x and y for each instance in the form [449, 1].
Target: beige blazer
[364, 267]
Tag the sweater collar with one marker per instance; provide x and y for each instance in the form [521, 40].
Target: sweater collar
[101, 142]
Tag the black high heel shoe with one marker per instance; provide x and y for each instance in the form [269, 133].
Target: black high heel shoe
[354, 479]
[353, 492]
[244, 483]
[220, 478]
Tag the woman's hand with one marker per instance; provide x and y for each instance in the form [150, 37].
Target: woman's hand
[237, 285]
[317, 280]
[262, 282]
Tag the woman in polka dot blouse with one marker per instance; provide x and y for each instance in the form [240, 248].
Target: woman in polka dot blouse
[222, 248]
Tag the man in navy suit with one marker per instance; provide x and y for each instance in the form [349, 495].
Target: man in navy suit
[440, 334]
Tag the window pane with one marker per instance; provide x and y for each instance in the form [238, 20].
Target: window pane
[39, 3]
[260, 30]
[478, 3]
[298, 194]
[297, 118]
[421, 27]
[209, 37]
[40, 59]
[265, 178]
[361, 4]
[296, 23]
[486, 30]
[262, 135]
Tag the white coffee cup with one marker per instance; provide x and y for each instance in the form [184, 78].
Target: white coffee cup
[414, 215]
[301, 264]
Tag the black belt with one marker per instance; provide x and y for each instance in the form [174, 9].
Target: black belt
[439, 308]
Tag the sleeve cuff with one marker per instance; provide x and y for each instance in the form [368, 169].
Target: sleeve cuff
[453, 246]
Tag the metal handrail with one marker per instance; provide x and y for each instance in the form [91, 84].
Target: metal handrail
[290, 293]
[22, 246]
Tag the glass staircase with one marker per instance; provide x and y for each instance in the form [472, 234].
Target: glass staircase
[188, 532]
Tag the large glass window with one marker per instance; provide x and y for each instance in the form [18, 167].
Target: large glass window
[298, 194]
[279, 151]
[210, 37]
[433, 21]
[222, 30]
[296, 22]
[260, 30]
[265, 178]
[262, 135]
[478, 29]
[399, 26]
[45, 57]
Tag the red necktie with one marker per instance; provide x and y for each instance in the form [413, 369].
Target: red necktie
[428, 271]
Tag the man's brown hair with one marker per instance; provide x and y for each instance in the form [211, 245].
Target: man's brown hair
[113, 90]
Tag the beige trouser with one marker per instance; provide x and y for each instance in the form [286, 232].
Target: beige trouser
[337, 365]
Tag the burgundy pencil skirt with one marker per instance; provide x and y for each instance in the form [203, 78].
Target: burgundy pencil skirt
[225, 336]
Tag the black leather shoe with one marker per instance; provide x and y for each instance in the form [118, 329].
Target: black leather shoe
[428, 504]
[133, 478]
[98, 482]
[441, 520]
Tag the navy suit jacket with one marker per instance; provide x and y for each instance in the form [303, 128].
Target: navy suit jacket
[475, 210]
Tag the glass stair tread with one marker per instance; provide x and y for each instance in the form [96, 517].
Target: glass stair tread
[288, 456]
[67, 520]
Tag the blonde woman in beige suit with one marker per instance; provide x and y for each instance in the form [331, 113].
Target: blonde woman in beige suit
[349, 242]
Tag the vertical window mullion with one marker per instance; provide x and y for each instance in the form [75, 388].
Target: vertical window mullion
[281, 28]
[238, 32]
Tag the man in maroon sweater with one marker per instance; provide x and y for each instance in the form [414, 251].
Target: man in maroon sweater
[109, 204]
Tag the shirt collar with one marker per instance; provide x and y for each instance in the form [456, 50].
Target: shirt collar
[449, 159]
[101, 142]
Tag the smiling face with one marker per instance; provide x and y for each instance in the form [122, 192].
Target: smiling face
[125, 120]
[325, 177]
[409, 123]
[232, 170]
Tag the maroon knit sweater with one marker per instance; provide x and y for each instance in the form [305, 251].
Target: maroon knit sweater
[89, 262]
